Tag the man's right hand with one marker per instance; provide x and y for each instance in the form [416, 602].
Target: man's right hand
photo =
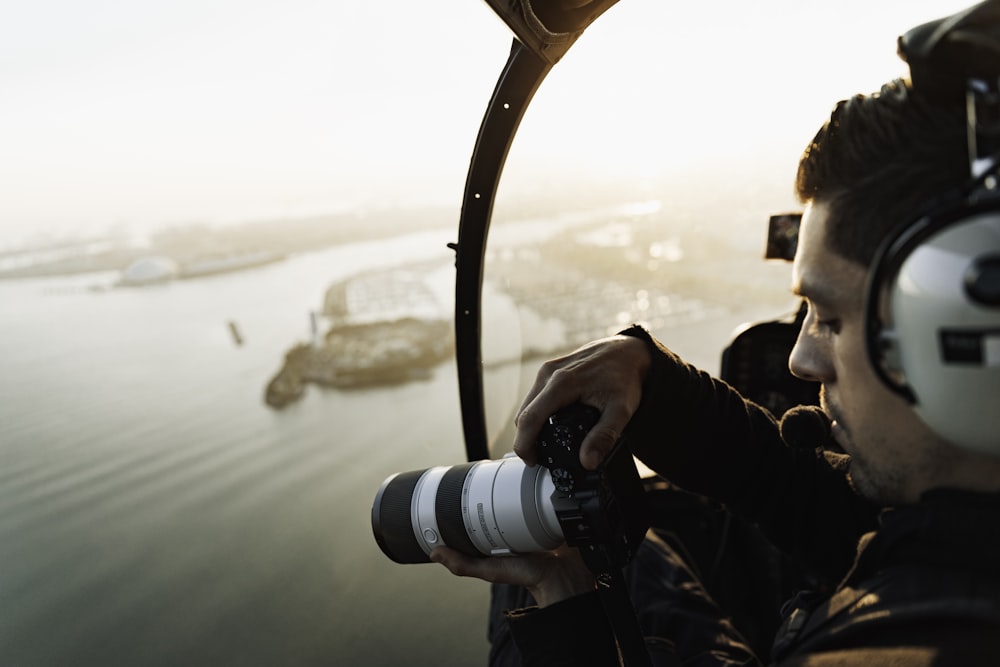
[607, 374]
[550, 576]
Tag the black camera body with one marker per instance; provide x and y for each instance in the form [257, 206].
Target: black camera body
[604, 507]
[497, 507]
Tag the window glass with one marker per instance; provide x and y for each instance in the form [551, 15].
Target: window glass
[226, 293]
[640, 185]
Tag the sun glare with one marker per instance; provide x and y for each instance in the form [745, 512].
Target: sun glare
[219, 111]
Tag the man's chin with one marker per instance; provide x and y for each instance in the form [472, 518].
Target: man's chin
[863, 487]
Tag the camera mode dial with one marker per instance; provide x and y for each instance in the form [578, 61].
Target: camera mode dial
[562, 479]
[559, 445]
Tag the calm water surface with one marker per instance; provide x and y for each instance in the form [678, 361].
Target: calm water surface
[154, 511]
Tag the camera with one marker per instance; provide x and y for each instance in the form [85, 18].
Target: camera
[499, 507]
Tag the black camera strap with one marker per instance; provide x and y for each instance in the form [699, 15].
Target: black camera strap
[613, 593]
[603, 513]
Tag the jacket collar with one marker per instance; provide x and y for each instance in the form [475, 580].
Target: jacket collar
[946, 527]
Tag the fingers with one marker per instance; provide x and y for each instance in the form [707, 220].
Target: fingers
[464, 566]
[530, 422]
[524, 570]
[595, 446]
[606, 374]
[603, 436]
[615, 410]
[557, 383]
[549, 576]
[553, 389]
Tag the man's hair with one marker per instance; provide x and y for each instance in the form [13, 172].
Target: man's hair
[879, 161]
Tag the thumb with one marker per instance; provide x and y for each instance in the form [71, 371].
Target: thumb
[605, 433]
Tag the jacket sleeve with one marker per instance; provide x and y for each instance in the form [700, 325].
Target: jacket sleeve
[702, 435]
[576, 633]
[569, 633]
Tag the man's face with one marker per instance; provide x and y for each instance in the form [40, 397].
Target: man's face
[894, 456]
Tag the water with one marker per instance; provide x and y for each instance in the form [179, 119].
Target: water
[154, 511]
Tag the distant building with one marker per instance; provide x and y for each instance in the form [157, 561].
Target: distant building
[382, 297]
[149, 270]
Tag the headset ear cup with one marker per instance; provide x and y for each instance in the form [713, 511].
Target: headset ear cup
[882, 338]
[946, 343]
[890, 355]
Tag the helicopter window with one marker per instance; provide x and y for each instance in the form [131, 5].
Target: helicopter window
[643, 181]
[151, 498]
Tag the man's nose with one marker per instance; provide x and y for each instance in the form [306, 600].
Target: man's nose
[807, 359]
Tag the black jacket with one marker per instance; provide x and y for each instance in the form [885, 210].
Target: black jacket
[920, 585]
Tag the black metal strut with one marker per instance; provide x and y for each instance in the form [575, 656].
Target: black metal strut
[524, 72]
[517, 84]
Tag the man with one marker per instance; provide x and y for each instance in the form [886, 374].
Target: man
[907, 520]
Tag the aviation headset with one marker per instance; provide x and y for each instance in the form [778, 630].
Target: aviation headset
[933, 300]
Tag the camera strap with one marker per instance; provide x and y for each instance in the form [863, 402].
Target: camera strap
[613, 593]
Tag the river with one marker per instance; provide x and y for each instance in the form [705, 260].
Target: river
[154, 511]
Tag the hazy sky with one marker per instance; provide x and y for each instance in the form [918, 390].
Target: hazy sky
[152, 112]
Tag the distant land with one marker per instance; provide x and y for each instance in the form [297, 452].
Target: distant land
[718, 204]
[191, 243]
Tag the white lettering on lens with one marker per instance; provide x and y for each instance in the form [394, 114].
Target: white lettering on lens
[482, 523]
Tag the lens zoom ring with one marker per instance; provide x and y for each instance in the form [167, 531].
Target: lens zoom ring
[448, 510]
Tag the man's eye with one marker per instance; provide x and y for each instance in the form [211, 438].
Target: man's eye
[822, 325]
